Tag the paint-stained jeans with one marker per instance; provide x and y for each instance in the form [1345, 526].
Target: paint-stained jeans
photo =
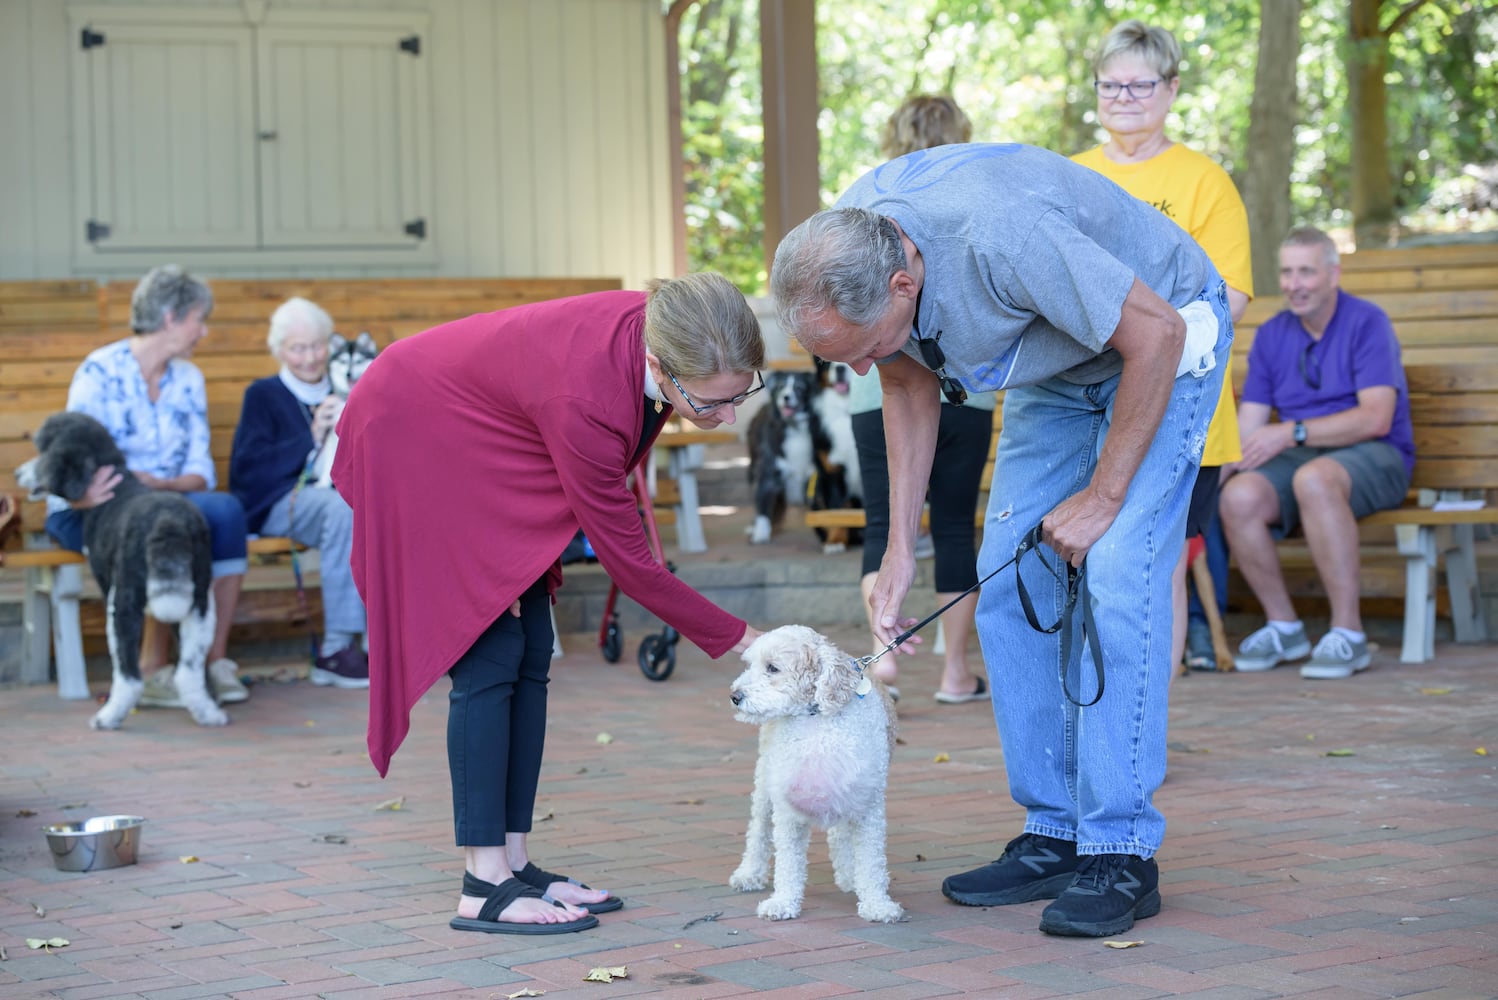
[1090, 774]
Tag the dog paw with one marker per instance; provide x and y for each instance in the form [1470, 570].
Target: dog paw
[104, 719]
[747, 880]
[776, 908]
[209, 715]
[880, 911]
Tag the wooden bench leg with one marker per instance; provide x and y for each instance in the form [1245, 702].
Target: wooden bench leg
[36, 625]
[67, 637]
[1467, 620]
[685, 461]
[1417, 543]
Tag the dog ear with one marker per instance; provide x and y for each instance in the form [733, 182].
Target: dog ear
[366, 343]
[837, 677]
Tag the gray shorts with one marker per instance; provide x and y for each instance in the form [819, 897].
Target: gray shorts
[1379, 478]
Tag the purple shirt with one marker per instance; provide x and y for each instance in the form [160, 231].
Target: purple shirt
[1357, 351]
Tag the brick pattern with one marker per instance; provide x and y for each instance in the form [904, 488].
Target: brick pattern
[1286, 872]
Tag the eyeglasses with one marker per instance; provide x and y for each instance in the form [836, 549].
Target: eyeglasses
[1310, 367]
[710, 407]
[936, 360]
[1138, 89]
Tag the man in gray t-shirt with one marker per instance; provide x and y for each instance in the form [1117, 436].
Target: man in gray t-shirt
[979, 267]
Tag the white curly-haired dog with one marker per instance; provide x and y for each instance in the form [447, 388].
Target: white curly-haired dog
[825, 737]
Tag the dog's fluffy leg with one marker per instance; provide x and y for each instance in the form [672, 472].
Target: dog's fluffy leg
[870, 871]
[753, 872]
[840, 848]
[123, 632]
[792, 838]
[195, 636]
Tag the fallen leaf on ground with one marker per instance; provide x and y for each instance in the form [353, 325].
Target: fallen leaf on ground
[1435, 690]
[606, 974]
[188, 859]
[57, 942]
[605, 738]
[392, 805]
[23, 813]
[174, 925]
[690, 802]
[1341, 753]
[527, 992]
[1481, 751]
[1122, 944]
[75, 805]
[37, 908]
[330, 838]
[941, 758]
[550, 814]
[310, 724]
[302, 784]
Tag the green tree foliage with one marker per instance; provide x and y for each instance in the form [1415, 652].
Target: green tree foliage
[1023, 73]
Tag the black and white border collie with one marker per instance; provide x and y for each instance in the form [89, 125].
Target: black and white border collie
[782, 450]
[839, 481]
[149, 551]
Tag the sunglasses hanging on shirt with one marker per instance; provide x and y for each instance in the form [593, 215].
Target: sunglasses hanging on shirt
[936, 360]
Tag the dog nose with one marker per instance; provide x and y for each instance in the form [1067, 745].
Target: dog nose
[736, 697]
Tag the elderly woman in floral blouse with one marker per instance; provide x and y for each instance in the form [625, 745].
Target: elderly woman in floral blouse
[154, 403]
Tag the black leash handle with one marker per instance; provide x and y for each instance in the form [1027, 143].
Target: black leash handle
[1076, 591]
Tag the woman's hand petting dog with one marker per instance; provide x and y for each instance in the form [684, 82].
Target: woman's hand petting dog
[100, 488]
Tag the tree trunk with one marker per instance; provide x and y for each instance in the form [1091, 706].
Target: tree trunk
[1271, 138]
[1372, 185]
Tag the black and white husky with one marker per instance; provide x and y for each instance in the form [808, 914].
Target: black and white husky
[150, 551]
[347, 362]
[782, 450]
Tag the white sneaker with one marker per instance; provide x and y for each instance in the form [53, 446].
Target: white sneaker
[160, 690]
[223, 678]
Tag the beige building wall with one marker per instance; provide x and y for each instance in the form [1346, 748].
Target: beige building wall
[548, 143]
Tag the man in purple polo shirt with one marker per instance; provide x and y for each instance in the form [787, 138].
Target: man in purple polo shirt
[1342, 448]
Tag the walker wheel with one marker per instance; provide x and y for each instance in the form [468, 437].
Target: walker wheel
[657, 657]
[613, 643]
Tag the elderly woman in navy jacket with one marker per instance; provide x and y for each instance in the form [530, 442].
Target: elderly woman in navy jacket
[285, 421]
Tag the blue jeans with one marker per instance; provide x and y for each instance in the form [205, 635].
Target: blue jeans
[226, 525]
[1089, 774]
[323, 519]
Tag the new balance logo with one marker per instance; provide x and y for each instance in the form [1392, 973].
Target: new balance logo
[1037, 862]
[1127, 883]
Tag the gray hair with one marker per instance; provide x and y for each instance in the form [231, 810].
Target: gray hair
[842, 260]
[1310, 236]
[167, 291]
[700, 325]
[923, 121]
[1156, 46]
[294, 314]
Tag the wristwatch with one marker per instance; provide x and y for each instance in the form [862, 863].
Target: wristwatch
[1300, 433]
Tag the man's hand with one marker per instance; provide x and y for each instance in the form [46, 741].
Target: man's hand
[1262, 444]
[1076, 523]
[100, 488]
[896, 574]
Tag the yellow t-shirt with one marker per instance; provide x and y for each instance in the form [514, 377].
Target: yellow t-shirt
[1197, 195]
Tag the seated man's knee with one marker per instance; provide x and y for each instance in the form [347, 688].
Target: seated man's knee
[1246, 497]
[1321, 481]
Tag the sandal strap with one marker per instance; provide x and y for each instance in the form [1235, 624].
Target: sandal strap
[540, 878]
[502, 895]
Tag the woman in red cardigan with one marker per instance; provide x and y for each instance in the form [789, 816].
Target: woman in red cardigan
[509, 431]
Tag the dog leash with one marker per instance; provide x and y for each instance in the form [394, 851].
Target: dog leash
[1075, 593]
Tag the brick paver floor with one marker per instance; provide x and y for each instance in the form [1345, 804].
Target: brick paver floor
[1329, 840]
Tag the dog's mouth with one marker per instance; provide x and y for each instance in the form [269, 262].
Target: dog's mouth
[26, 477]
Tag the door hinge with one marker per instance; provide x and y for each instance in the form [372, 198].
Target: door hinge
[411, 44]
[96, 231]
[417, 228]
[91, 38]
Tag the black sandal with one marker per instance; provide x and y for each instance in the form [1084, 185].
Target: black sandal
[497, 897]
[538, 879]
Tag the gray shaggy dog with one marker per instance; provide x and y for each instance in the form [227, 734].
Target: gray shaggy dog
[149, 550]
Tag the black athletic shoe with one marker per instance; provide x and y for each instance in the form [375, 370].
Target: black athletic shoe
[1032, 867]
[1109, 892]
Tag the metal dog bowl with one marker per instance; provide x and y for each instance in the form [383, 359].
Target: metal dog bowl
[94, 844]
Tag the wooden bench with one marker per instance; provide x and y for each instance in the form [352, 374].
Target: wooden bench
[47, 327]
